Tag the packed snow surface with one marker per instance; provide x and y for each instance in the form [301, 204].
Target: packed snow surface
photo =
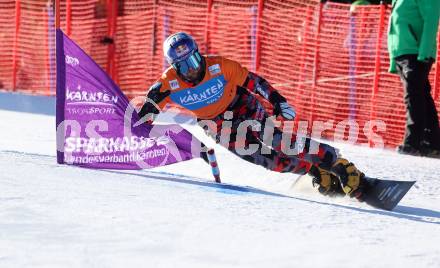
[63, 216]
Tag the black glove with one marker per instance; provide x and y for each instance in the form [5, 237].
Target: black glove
[285, 110]
[154, 97]
[281, 107]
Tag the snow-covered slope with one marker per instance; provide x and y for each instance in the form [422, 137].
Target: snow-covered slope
[61, 216]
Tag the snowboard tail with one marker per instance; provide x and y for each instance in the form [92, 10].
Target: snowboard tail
[385, 194]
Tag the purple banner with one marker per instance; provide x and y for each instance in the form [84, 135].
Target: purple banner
[96, 124]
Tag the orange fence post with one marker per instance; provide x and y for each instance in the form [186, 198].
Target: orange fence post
[15, 45]
[437, 71]
[50, 43]
[68, 17]
[47, 63]
[57, 14]
[258, 35]
[207, 25]
[377, 67]
[153, 39]
[316, 60]
[302, 61]
[112, 14]
[114, 25]
[304, 44]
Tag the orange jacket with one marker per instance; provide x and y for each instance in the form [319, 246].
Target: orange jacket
[212, 95]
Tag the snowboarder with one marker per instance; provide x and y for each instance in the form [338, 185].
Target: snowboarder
[218, 89]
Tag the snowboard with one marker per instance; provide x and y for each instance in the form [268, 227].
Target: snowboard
[378, 193]
[385, 194]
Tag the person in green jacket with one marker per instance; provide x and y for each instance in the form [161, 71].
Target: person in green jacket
[356, 3]
[412, 47]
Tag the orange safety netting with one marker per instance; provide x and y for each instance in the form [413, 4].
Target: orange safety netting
[329, 62]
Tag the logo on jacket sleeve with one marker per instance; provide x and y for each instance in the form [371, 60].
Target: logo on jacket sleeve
[214, 69]
[202, 95]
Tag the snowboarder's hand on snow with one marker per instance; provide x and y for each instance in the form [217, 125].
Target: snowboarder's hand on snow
[285, 110]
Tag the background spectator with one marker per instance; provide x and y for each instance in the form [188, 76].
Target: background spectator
[412, 47]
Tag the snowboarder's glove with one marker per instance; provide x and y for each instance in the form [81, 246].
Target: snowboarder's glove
[351, 178]
[154, 97]
[285, 110]
[328, 183]
[281, 107]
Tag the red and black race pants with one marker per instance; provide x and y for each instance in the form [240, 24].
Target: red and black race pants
[241, 129]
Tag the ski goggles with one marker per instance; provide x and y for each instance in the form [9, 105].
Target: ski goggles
[194, 61]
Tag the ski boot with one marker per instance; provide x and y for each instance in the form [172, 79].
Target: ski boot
[328, 183]
[352, 180]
